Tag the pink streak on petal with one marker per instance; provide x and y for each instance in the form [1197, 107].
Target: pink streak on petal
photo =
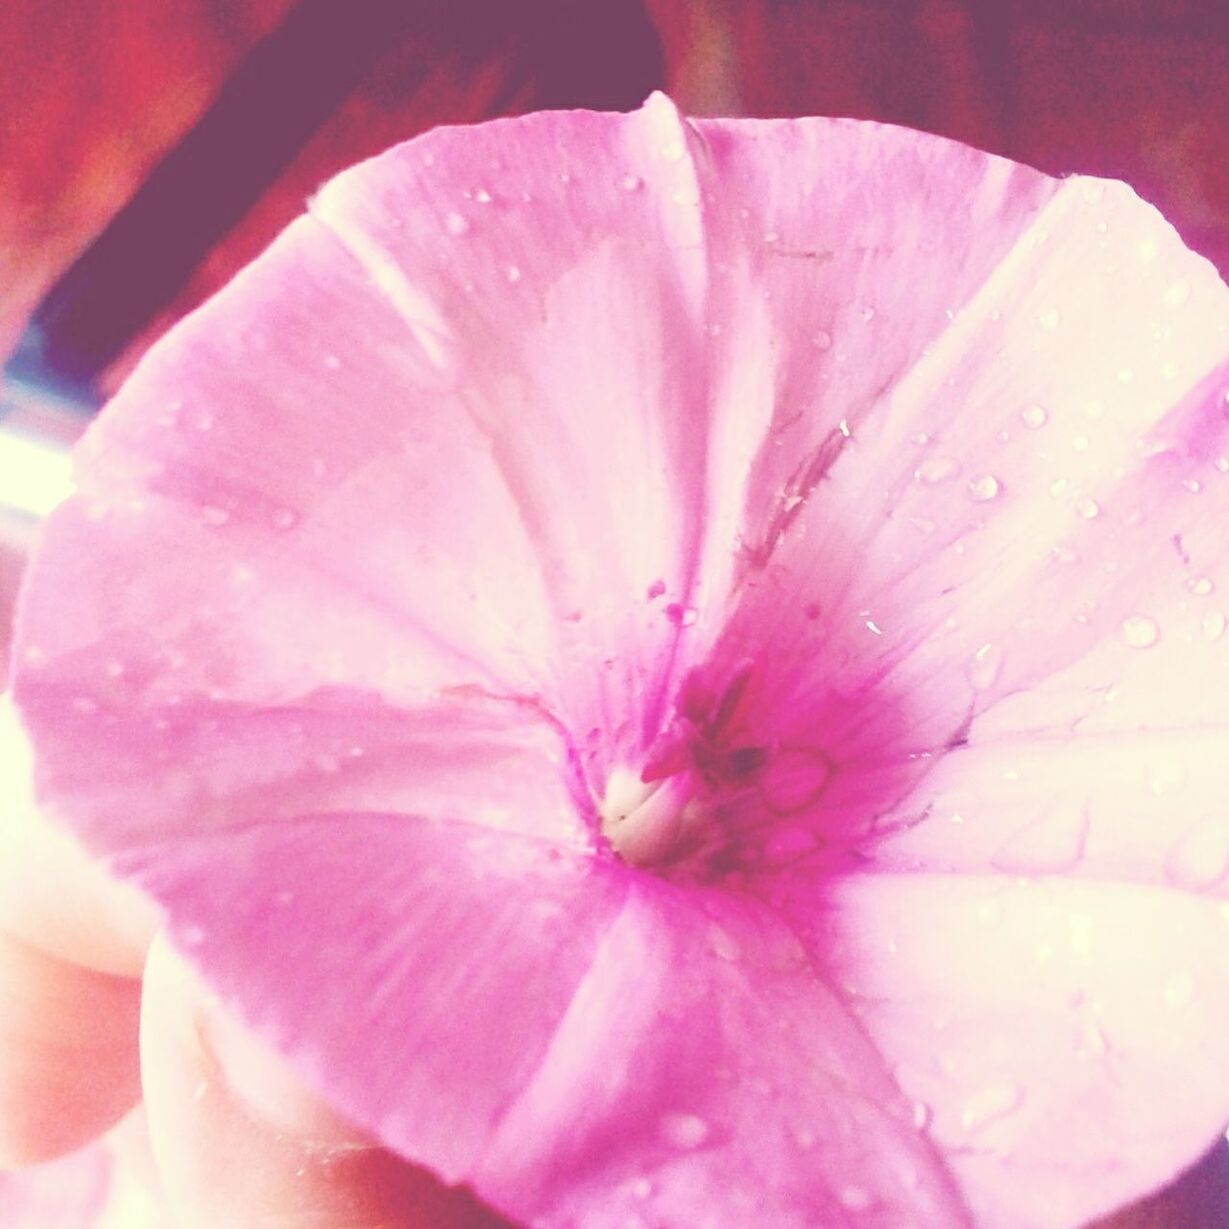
[582, 374]
[66, 1194]
[1022, 1013]
[413, 972]
[131, 774]
[703, 1071]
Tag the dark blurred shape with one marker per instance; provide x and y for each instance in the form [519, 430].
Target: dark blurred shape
[601, 54]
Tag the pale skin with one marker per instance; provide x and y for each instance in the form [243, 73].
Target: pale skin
[98, 1014]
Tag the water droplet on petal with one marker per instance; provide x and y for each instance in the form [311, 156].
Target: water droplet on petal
[984, 488]
[1200, 586]
[990, 1105]
[855, 1198]
[1049, 318]
[332, 362]
[482, 196]
[1177, 293]
[1087, 508]
[985, 666]
[680, 615]
[285, 518]
[642, 1188]
[1179, 989]
[1048, 845]
[1093, 1043]
[1213, 625]
[937, 469]
[1200, 858]
[867, 314]
[456, 224]
[790, 842]
[823, 340]
[1193, 485]
[1034, 417]
[513, 274]
[923, 1115]
[1139, 631]
[724, 944]
[190, 935]
[631, 183]
[1166, 775]
[684, 1130]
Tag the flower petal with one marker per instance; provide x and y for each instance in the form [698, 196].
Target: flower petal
[1044, 1029]
[578, 1042]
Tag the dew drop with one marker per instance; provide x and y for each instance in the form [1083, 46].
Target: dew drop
[1080, 443]
[332, 362]
[1193, 485]
[723, 944]
[934, 470]
[482, 196]
[984, 668]
[191, 935]
[642, 1188]
[1200, 586]
[789, 842]
[1176, 294]
[1034, 417]
[1165, 775]
[1139, 631]
[1053, 843]
[456, 224]
[631, 183]
[823, 340]
[1179, 989]
[983, 488]
[284, 519]
[1213, 625]
[684, 1130]
[680, 615]
[513, 274]
[113, 669]
[990, 1105]
[1200, 858]
[1049, 318]
[201, 420]
[867, 314]
[923, 1115]
[1093, 1041]
[855, 1198]
[1087, 508]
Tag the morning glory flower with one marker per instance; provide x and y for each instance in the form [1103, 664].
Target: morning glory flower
[676, 671]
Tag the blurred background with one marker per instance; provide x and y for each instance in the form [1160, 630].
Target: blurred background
[149, 148]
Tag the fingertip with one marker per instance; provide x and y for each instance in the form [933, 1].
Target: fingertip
[239, 1140]
[68, 1053]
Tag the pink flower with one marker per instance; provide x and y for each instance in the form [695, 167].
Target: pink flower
[675, 670]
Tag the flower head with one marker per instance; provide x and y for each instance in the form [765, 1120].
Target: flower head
[675, 670]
